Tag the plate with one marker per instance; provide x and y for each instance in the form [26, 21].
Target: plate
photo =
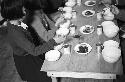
[87, 29]
[88, 13]
[83, 48]
[90, 3]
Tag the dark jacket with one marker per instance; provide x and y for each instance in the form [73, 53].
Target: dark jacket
[121, 2]
[53, 5]
[118, 2]
[56, 3]
[21, 42]
[25, 53]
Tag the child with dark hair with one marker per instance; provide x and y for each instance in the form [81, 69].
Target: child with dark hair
[13, 7]
[25, 52]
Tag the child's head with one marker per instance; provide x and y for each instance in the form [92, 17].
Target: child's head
[12, 9]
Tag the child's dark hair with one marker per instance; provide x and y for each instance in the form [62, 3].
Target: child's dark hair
[32, 5]
[12, 9]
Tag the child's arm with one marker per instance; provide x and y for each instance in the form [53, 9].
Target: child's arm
[121, 15]
[118, 2]
[114, 2]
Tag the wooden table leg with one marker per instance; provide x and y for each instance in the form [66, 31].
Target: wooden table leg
[54, 79]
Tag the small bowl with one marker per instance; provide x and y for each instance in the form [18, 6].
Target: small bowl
[111, 43]
[52, 55]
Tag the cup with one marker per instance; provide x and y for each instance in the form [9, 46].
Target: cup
[99, 29]
[67, 9]
[70, 3]
[67, 15]
[72, 29]
[67, 49]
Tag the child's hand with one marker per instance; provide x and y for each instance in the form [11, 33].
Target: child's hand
[123, 36]
[59, 38]
[59, 20]
[106, 1]
[114, 10]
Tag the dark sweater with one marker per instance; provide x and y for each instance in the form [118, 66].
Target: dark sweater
[118, 2]
[21, 42]
[121, 2]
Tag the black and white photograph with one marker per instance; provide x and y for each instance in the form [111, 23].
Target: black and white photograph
[62, 40]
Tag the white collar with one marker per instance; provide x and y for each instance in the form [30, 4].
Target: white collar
[15, 22]
[23, 25]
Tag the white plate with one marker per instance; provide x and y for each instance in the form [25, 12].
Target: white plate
[90, 3]
[88, 13]
[87, 29]
[84, 45]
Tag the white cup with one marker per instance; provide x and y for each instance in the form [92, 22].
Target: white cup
[70, 3]
[67, 9]
[67, 15]
[72, 30]
[67, 49]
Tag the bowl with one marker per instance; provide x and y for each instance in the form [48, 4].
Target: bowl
[52, 55]
[111, 43]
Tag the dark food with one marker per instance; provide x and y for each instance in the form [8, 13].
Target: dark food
[91, 3]
[83, 49]
[66, 46]
[88, 13]
[87, 30]
[76, 36]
